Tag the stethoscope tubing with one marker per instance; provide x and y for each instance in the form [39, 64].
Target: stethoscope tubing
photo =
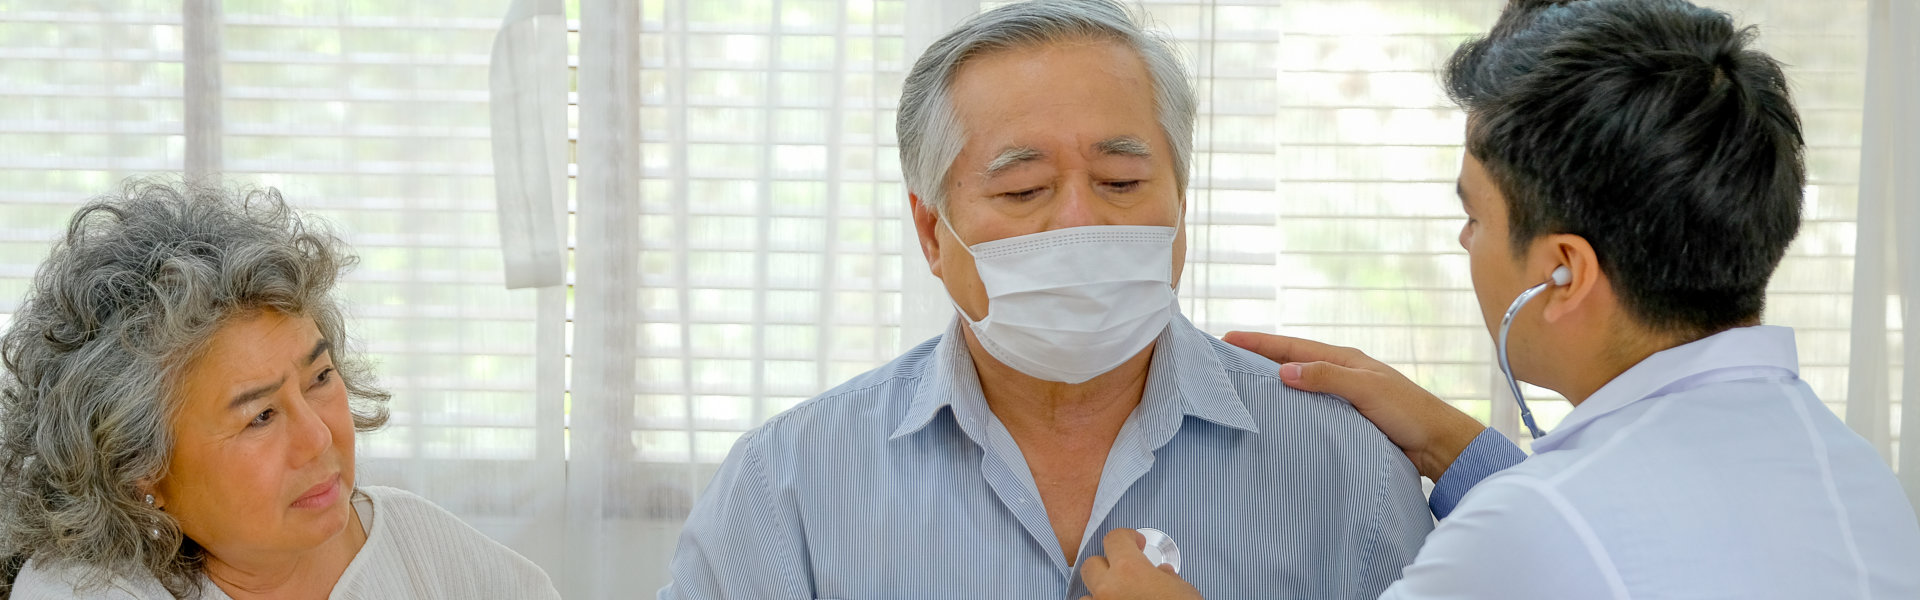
[1526, 415]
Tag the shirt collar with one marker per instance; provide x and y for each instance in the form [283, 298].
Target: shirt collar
[1185, 372]
[1735, 353]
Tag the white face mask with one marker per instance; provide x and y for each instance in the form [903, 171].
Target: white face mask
[1069, 304]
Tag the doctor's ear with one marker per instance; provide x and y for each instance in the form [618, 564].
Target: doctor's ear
[1575, 275]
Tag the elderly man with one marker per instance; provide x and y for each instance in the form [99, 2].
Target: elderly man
[1046, 146]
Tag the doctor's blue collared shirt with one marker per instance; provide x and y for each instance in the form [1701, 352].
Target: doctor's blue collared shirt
[901, 483]
[1708, 470]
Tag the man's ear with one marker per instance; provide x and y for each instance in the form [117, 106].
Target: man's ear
[926, 223]
[1587, 284]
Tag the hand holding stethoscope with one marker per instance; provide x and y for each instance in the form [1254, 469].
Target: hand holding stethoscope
[1430, 431]
[1128, 567]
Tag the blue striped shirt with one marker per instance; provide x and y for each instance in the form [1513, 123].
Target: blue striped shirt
[902, 483]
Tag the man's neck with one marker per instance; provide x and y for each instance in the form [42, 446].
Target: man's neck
[309, 574]
[1624, 348]
[1028, 405]
[1065, 432]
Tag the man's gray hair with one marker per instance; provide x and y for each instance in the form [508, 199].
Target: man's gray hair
[134, 291]
[929, 131]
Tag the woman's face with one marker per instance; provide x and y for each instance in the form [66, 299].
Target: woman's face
[263, 441]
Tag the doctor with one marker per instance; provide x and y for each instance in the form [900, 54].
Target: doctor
[1636, 166]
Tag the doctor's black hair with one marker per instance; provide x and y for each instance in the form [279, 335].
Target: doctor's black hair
[1652, 129]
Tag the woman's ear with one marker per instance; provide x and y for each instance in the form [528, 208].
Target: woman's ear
[149, 490]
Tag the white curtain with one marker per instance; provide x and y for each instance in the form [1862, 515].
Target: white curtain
[740, 245]
[1886, 273]
[376, 116]
[373, 116]
[734, 240]
[604, 513]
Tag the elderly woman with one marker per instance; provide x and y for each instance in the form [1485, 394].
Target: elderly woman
[180, 407]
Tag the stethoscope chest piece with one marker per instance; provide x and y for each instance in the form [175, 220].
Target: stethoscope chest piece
[1160, 548]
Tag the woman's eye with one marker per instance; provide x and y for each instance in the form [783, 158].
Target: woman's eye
[325, 376]
[1124, 186]
[260, 420]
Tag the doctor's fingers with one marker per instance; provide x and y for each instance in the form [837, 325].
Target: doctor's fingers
[1398, 406]
[1125, 545]
[1430, 431]
[1361, 386]
[1311, 366]
[1121, 546]
[1283, 349]
[1094, 573]
[1124, 573]
[1105, 584]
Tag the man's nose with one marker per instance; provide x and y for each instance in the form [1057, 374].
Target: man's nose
[1077, 206]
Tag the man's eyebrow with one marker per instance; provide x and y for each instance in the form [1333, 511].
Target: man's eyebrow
[1011, 157]
[1125, 145]
[1461, 192]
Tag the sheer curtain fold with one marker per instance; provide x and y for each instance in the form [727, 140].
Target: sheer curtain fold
[376, 118]
[602, 554]
[201, 62]
[1887, 260]
[741, 245]
[529, 108]
[1903, 163]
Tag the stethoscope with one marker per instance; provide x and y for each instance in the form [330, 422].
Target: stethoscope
[1561, 276]
[1160, 549]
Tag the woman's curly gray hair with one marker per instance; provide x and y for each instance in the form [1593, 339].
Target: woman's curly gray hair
[139, 284]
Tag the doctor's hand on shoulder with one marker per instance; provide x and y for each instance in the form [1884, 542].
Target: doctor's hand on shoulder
[1431, 432]
[1124, 573]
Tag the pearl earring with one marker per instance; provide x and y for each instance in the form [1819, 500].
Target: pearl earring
[155, 532]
